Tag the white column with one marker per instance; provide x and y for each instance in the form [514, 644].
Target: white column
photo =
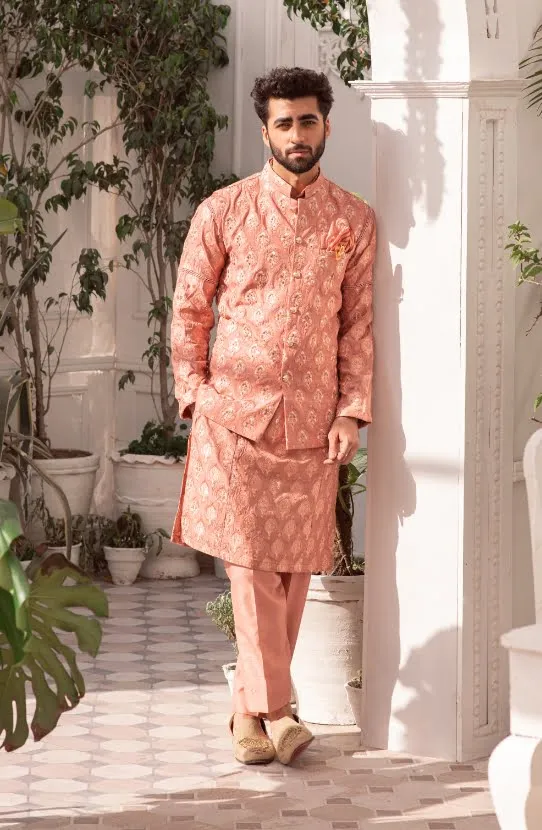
[438, 537]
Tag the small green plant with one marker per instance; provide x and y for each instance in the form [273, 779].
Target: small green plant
[127, 532]
[93, 558]
[351, 483]
[524, 254]
[156, 439]
[25, 550]
[55, 528]
[220, 611]
[356, 682]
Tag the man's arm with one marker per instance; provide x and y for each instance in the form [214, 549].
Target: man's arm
[201, 264]
[355, 353]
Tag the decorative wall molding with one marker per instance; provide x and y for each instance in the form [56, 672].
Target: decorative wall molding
[481, 88]
[492, 19]
[488, 502]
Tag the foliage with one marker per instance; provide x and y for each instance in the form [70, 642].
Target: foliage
[42, 170]
[533, 62]
[156, 439]
[220, 611]
[93, 559]
[30, 649]
[127, 532]
[54, 528]
[357, 681]
[348, 19]
[160, 73]
[25, 550]
[350, 484]
[524, 254]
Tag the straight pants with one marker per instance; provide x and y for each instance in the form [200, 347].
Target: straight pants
[267, 609]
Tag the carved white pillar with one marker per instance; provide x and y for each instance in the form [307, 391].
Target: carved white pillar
[438, 537]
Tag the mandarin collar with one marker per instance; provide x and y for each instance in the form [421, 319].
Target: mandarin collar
[275, 182]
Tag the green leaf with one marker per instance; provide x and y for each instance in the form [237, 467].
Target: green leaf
[10, 526]
[9, 217]
[538, 401]
[48, 663]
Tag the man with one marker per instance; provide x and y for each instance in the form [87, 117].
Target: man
[288, 256]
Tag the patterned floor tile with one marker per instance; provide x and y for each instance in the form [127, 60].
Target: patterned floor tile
[149, 747]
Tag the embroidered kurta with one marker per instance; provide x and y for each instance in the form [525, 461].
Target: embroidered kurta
[293, 284]
[294, 349]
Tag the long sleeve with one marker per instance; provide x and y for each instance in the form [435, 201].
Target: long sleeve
[356, 348]
[193, 318]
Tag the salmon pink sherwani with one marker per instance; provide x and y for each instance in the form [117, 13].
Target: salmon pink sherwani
[292, 278]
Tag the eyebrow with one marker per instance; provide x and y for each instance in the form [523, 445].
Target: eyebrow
[288, 119]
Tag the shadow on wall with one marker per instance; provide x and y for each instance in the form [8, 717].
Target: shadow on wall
[410, 173]
[431, 694]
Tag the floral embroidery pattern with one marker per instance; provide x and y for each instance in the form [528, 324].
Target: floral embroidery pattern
[293, 283]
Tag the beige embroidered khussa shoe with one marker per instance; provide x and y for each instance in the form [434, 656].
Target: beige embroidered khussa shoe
[290, 737]
[249, 745]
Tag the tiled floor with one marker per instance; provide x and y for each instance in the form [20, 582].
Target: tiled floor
[148, 748]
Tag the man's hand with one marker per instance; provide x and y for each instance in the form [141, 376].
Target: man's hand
[343, 441]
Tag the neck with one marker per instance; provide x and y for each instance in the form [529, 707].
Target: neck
[298, 182]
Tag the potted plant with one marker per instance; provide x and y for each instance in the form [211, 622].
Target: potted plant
[54, 531]
[148, 478]
[332, 624]
[220, 611]
[169, 139]
[125, 545]
[32, 614]
[354, 690]
[42, 170]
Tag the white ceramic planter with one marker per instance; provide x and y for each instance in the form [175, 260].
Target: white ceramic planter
[7, 474]
[77, 478]
[329, 649]
[151, 485]
[355, 698]
[124, 564]
[75, 555]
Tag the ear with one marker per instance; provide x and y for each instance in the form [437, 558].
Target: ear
[328, 128]
[265, 135]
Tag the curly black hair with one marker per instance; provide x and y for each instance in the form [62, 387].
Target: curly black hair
[291, 82]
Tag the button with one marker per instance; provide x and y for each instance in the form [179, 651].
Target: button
[297, 275]
[294, 311]
[286, 378]
[298, 240]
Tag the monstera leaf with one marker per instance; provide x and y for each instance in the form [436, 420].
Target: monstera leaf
[31, 650]
[14, 624]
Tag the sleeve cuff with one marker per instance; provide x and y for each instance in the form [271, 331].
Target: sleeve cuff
[362, 414]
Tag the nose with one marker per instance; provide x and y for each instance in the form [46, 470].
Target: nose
[297, 134]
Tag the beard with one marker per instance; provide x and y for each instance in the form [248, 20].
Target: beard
[299, 165]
